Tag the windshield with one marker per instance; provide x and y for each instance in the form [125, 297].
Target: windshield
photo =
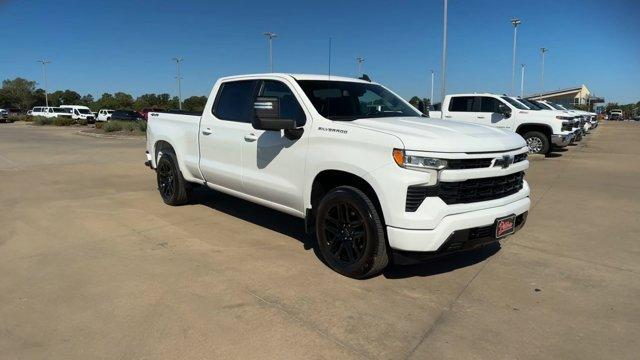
[541, 105]
[84, 111]
[555, 106]
[515, 104]
[531, 105]
[344, 100]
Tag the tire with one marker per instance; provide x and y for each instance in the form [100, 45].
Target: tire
[173, 189]
[350, 233]
[537, 142]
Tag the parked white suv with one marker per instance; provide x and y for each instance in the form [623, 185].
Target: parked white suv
[540, 130]
[104, 114]
[364, 168]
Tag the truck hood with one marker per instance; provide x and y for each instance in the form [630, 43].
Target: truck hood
[435, 135]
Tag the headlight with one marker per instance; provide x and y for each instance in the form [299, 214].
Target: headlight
[414, 162]
[564, 117]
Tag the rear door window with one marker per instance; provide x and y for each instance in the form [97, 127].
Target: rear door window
[462, 103]
[235, 101]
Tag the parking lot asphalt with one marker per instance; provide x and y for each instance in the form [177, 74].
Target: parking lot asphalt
[94, 265]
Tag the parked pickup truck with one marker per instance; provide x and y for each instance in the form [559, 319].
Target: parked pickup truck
[540, 130]
[534, 105]
[366, 171]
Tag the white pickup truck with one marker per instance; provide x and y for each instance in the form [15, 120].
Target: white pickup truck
[541, 130]
[369, 173]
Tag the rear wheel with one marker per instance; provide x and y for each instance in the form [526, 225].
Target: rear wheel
[537, 142]
[350, 233]
[173, 189]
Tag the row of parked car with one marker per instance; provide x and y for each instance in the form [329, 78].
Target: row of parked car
[543, 124]
[80, 112]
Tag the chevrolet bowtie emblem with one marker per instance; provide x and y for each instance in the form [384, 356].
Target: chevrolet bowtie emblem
[503, 161]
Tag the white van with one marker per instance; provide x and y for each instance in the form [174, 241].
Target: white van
[50, 111]
[79, 112]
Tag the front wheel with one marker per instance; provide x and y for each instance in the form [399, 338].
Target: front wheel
[537, 142]
[350, 233]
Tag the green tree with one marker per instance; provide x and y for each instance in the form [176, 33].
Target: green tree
[106, 101]
[87, 100]
[123, 100]
[610, 106]
[173, 103]
[18, 93]
[194, 103]
[38, 98]
[67, 97]
[146, 101]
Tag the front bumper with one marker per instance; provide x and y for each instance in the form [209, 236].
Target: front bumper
[433, 240]
[562, 140]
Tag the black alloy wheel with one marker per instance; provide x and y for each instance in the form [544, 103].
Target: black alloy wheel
[350, 233]
[173, 188]
[345, 233]
[166, 180]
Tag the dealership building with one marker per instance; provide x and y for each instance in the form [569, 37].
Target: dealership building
[579, 95]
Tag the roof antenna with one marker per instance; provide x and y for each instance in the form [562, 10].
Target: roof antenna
[329, 58]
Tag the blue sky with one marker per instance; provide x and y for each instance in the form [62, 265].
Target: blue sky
[116, 45]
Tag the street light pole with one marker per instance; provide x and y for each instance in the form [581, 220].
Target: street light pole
[178, 77]
[44, 63]
[359, 61]
[432, 79]
[515, 22]
[542, 50]
[522, 82]
[443, 70]
[270, 35]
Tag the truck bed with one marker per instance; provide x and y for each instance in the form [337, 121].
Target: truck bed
[181, 131]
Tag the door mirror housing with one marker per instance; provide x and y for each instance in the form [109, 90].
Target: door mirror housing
[421, 107]
[504, 110]
[267, 115]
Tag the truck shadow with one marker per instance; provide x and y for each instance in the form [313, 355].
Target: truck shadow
[443, 264]
[285, 224]
[294, 228]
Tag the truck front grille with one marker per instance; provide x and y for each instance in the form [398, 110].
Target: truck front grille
[464, 192]
[461, 164]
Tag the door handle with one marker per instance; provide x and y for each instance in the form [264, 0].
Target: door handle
[480, 117]
[250, 137]
[447, 116]
[206, 132]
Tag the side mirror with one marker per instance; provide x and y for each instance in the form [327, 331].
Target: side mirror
[267, 115]
[504, 110]
[421, 106]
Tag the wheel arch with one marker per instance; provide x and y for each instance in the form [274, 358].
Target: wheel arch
[543, 128]
[161, 145]
[329, 179]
